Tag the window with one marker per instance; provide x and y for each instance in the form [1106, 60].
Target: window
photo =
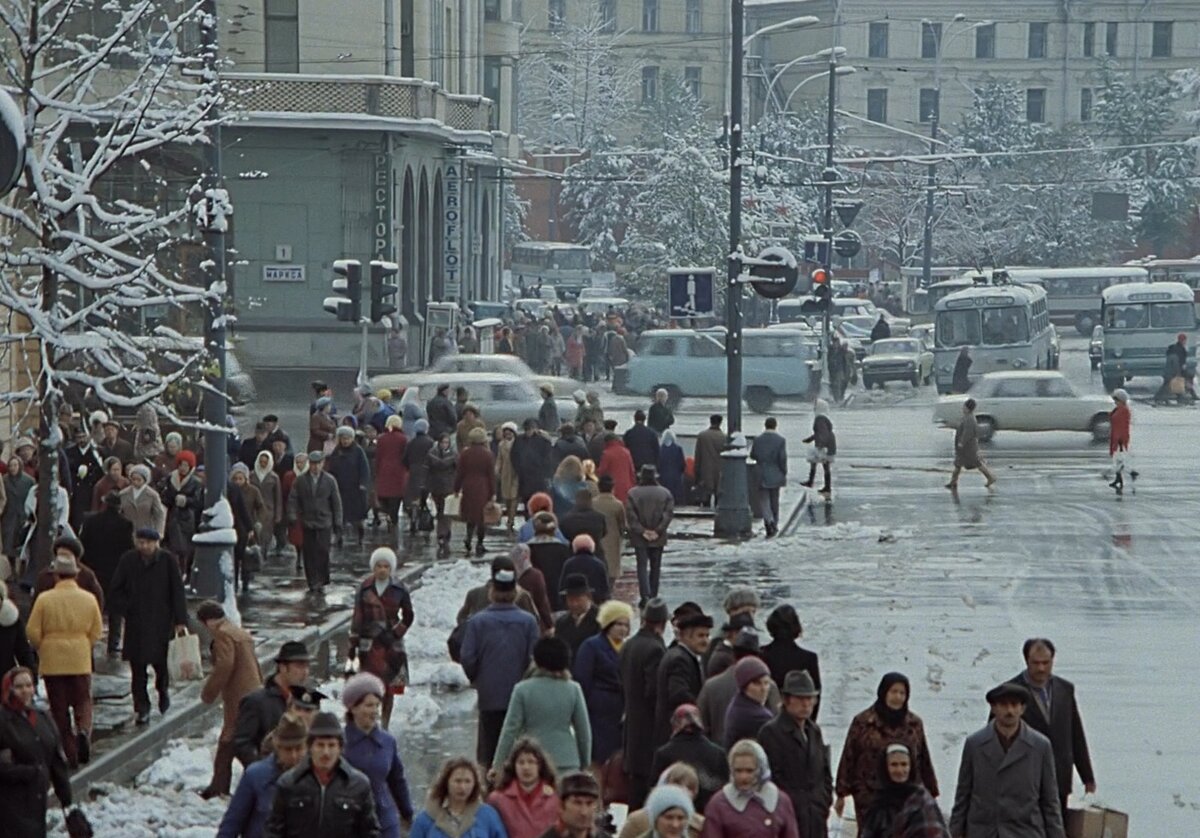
[958, 328]
[1089, 40]
[1005, 326]
[649, 15]
[491, 9]
[877, 41]
[1161, 46]
[1085, 105]
[557, 14]
[691, 80]
[1054, 388]
[659, 346]
[985, 41]
[282, 30]
[1037, 39]
[608, 15]
[692, 17]
[649, 84]
[1110, 39]
[1035, 104]
[931, 39]
[929, 104]
[877, 104]
[705, 346]
[1016, 388]
[1172, 316]
[491, 85]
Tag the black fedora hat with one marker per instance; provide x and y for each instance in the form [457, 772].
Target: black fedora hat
[575, 584]
[293, 651]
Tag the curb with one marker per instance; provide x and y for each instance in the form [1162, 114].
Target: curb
[190, 716]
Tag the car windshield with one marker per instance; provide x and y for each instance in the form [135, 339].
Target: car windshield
[894, 347]
[989, 327]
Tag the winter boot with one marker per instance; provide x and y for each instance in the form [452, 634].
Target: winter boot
[812, 476]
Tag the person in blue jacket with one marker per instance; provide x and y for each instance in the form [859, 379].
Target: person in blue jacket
[597, 670]
[372, 750]
[455, 808]
[250, 805]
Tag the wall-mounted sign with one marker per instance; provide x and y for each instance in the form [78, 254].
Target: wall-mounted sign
[452, 231]
[283, 273]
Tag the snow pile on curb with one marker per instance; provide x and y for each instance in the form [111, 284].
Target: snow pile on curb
[436, 604]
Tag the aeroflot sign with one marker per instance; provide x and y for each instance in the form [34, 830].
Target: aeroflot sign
[452, 231]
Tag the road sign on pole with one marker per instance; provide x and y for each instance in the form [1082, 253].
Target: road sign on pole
[12, 143]
[690, 292]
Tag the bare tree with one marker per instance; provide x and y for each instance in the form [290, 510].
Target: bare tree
[98, 243]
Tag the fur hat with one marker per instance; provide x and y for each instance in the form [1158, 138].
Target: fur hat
[539, 502]
[552, 654]
[656, 611]
[344, 431]
[740, 598]
[477, 436]
[384, 554]
[65, 566]
[359, 687]
[749, 669]
[611, 611]
[186, 457]
[239, 468]
[579, 783]
[143, 470]
[583, 543]
[666, 797]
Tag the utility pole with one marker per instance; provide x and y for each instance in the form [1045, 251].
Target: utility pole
[732, 519]
[829, 176]
[931, 176]
[215, 405]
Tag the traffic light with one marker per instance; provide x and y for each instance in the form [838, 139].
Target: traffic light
[383, 291]
[348, 285]
[822, 291]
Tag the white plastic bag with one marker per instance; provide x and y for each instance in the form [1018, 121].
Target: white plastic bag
[183, 658]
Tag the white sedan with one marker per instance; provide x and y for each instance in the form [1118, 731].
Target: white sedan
[1028, 401]
[897, 359]
[468, 363]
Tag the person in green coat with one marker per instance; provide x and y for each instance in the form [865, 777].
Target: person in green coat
[549, 707]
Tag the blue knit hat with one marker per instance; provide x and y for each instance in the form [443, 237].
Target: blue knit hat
[666, 797]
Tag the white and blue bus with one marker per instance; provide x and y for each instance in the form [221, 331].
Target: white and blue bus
[1006, 326]
[1073, 294]
[1139, 322]
[567, 268]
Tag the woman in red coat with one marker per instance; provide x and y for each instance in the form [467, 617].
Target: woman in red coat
[1118, 439]
[391, 475]
[618, 464]
[475, 481]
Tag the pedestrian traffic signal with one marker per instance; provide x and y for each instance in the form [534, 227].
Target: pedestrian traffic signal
[347, 306]
[822, 290]
[383, 291]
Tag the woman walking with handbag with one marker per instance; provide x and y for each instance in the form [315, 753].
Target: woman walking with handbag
[475, 481]
[383, 613]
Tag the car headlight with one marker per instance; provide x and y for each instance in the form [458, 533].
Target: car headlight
[1020, 363]
[911, 365]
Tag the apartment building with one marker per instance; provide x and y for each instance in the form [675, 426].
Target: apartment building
[366, 131]
[904, 53]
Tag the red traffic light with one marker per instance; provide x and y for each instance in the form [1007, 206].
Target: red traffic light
[820, 276]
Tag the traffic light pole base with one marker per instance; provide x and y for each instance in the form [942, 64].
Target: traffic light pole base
[733, 519]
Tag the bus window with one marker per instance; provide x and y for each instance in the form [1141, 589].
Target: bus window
[1005, 326]
[958, 328]
[1129, 316]
[1172, 316]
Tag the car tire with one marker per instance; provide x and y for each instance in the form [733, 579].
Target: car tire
[868, 383]
[1101, 427]
[915, 380]
[760, 399]
[987, 428]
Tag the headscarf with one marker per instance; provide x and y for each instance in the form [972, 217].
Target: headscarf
[890, 717]
[686, 717]
[821, 408]
[520, 558]
[764, 790]
[668, 437]
[296, 465]
[259, 470]
[891, 797]
[9, 696]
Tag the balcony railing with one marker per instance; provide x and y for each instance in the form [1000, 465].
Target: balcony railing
[383, 96]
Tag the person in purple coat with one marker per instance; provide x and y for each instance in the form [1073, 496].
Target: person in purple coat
[372, 750]
[749, 805]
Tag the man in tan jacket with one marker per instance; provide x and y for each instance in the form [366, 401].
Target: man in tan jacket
[235, 673]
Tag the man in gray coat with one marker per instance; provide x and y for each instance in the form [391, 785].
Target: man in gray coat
[316, 503]
[1006, 782]
[649, 509]
[769, 452]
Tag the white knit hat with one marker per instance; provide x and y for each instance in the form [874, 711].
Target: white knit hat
[384, 554]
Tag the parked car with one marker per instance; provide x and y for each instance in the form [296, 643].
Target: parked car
[897, 359]
[502, 397]
[467, 363]
[1034, 400]
[1096, 347]
[691, 362]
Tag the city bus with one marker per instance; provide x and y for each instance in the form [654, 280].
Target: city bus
[1186, 271]
[1139, 321]
[565, 267]
[1005, 325]
[921, 304]
[1073, 294]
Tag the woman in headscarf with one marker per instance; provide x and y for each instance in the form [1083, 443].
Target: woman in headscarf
[34, 758]
[672, 463]
[183, 496]
[246, 517]
[140, 504]
[568, 479]
[295, 533]
[597, 669]
[455, 807]
[749, 805]
[903, 808]
[321, 426]
[530, 579]
[886, 721]
[475, 481]
[506, 475]
[410, 410]
[677, 774]
[348, 465]
[382, 615]
[266, 481]
[17, 486]
[669, 810]
[525, 794]
[165, 462]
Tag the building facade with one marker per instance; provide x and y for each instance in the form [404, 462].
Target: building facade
[363, 131]
[903, 54]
